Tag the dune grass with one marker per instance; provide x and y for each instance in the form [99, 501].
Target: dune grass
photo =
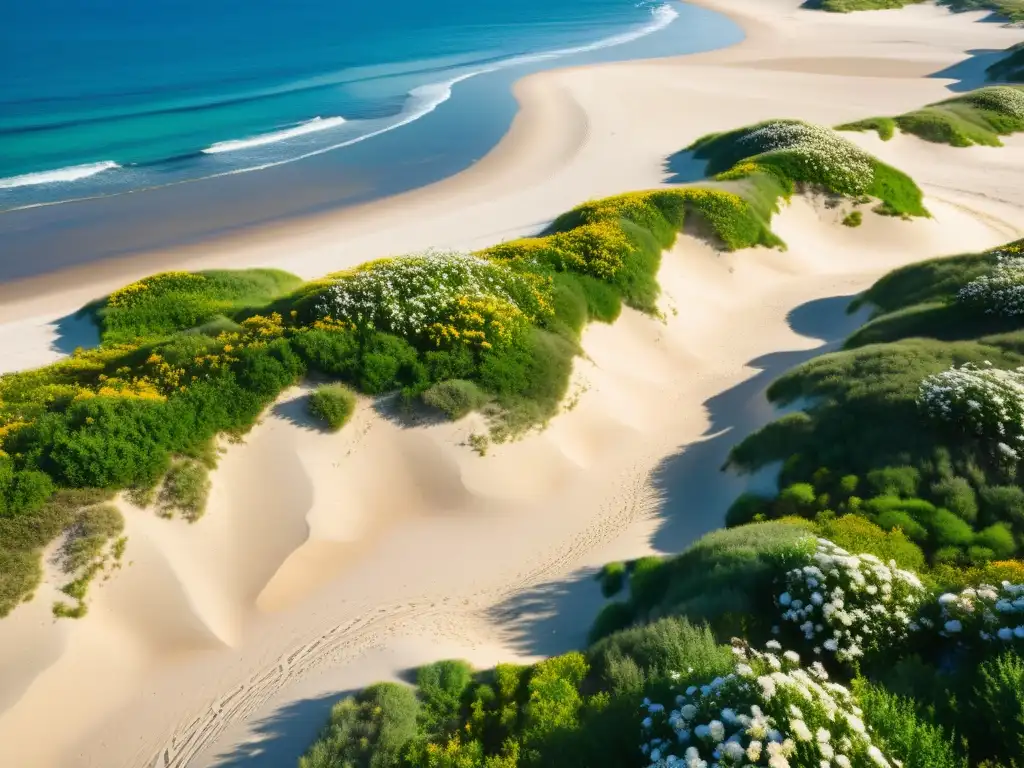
[92, 544]
[977, 117]
[1013, 10]
[333, 405]
[162, 304]
[779, 157]
[185, 489]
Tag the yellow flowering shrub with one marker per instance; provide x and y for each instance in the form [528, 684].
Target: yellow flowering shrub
[163, 282]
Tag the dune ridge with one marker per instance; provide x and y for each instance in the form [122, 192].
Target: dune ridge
[357, 555]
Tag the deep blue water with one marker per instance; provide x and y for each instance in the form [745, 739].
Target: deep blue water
[408, 93]
[109, 96]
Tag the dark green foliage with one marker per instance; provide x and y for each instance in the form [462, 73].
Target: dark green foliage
[455, 397]
[627, 659]
[746, 508]
[613, 578]
[333, 352]
[902, 731]
[370, 730]
[894, 481]
[998, 539]
[957, 495]
[1010, 67]
[22, 492]
[612, 618]
[332, 404]
[441, 687]
[997, 711]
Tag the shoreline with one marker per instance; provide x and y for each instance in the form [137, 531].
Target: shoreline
[220, 630]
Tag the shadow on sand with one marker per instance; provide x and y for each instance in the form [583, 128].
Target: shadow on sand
[74, 331]
[971, 72]
[684, 168]
[545, 619]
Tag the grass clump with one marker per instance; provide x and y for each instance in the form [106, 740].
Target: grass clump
[977, 117]
[167, 302]
[185, 490]
[332, 404]
[1013, 10]
[93, 542]
[779, 156]
[613, 578]
[853, 219]
[455, 398]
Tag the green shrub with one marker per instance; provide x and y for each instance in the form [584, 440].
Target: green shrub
[441, 687]
[334, 352]
[746, 508]
[333, 404]
[648, 579]
[956, 495]
[185, 490]
[455, 397]
[892, 519]
[612, 618]
[948, 530]
[1004, 503]
[798, 499]
[903, 733]
[853, 219]
[613, 578]
[855, 534]
[998, 539]
[894, 481]
[996, 720]
[656, 650]
[370, 730]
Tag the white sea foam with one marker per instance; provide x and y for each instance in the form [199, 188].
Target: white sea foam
[71, 173]
[422, 101]
[310, 126]
[426, 98]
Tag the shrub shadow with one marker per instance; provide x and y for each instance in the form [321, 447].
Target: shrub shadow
[74, 331]
[694, 491]
[683, 168]
[295, 411]
[407, 415]
[971, 72]
[281, 738]
[551, 618]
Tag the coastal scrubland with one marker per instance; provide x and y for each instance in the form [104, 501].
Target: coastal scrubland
[976, 117]
[871, 613]
[1013, 10]
[186, 356]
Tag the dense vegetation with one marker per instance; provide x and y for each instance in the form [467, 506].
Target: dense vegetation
[775, 158]
[878, 621]
[333, 405]
[187, 356]
[1011, 9]
[977, 117]
[1010, 67]
[681, 680]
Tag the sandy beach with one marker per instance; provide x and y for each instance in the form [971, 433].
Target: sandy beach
[325, 562]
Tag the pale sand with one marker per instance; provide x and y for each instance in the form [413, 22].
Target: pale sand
[325, 562]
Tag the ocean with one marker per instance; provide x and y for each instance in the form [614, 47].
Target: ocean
[110, 97]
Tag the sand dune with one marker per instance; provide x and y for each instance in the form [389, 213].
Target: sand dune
[327, 561]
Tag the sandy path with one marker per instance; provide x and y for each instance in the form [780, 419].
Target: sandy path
[325, 562]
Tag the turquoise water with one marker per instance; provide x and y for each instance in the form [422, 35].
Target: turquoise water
[111, 96]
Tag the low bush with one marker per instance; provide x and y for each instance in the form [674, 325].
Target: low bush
[977, 117]
[613, 578]
[455, 398]
[332, 404]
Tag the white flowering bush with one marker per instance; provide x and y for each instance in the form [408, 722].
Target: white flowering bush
[1001, 292]
[986, 613]
[1004, 99]
[846, 605]
[811, 153]
[768, 712]
[985, 402]
[442, 297]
